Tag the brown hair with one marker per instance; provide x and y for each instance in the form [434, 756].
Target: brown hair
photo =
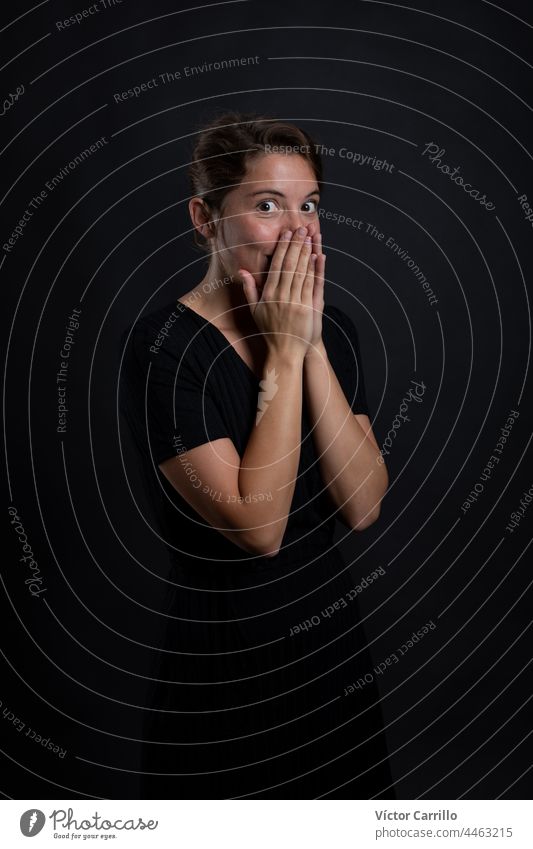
[224, 146]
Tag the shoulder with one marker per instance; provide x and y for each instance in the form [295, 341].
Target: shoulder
[342, 346]
[338, 314]
[164, 331]
[339, 330]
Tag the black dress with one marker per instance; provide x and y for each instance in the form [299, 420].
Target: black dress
[255, 694]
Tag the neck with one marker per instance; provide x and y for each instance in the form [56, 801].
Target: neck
[222, 297]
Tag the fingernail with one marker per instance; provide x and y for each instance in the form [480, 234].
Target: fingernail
[287, 234]
[308, 240]
[301, 231]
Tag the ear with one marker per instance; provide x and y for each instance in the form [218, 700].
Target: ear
[201, 217]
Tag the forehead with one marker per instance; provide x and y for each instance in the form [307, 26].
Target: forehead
[289, 173]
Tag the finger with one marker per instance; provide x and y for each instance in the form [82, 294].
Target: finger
[318, 291]
[320, 269]
[317, 241]
[290, 263]
[308, 283]
[313, 230]
[249, 287]
[276, 263]
[301, 270]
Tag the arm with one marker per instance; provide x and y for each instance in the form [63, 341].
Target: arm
[350, 460]
[270, 462]
[268, 468]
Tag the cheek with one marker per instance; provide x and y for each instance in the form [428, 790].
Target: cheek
[250, 237]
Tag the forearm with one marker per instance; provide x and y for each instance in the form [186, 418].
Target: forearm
[272, 455]
[349, 459]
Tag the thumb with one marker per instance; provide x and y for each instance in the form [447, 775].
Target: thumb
[249, 286]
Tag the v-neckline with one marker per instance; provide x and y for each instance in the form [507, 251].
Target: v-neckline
[226, 340]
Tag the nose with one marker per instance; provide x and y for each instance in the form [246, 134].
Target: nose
[294, 219]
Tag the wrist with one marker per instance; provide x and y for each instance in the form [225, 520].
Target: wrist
[285, 358]
[316, 351]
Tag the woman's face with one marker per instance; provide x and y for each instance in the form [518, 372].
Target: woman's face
[279, 192]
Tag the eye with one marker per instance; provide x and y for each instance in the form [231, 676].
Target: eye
[312, 203]
[264, 203]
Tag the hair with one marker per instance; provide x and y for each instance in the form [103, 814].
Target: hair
[226, 144]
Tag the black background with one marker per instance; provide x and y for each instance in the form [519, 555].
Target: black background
[114, 240]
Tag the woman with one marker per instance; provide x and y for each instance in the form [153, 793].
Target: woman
[246, 398]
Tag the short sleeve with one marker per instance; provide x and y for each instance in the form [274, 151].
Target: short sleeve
[170, 405]
[342, 346]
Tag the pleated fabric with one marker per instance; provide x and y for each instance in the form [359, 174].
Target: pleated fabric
[249, 698]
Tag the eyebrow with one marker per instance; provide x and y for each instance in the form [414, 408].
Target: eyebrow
[275, 192]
